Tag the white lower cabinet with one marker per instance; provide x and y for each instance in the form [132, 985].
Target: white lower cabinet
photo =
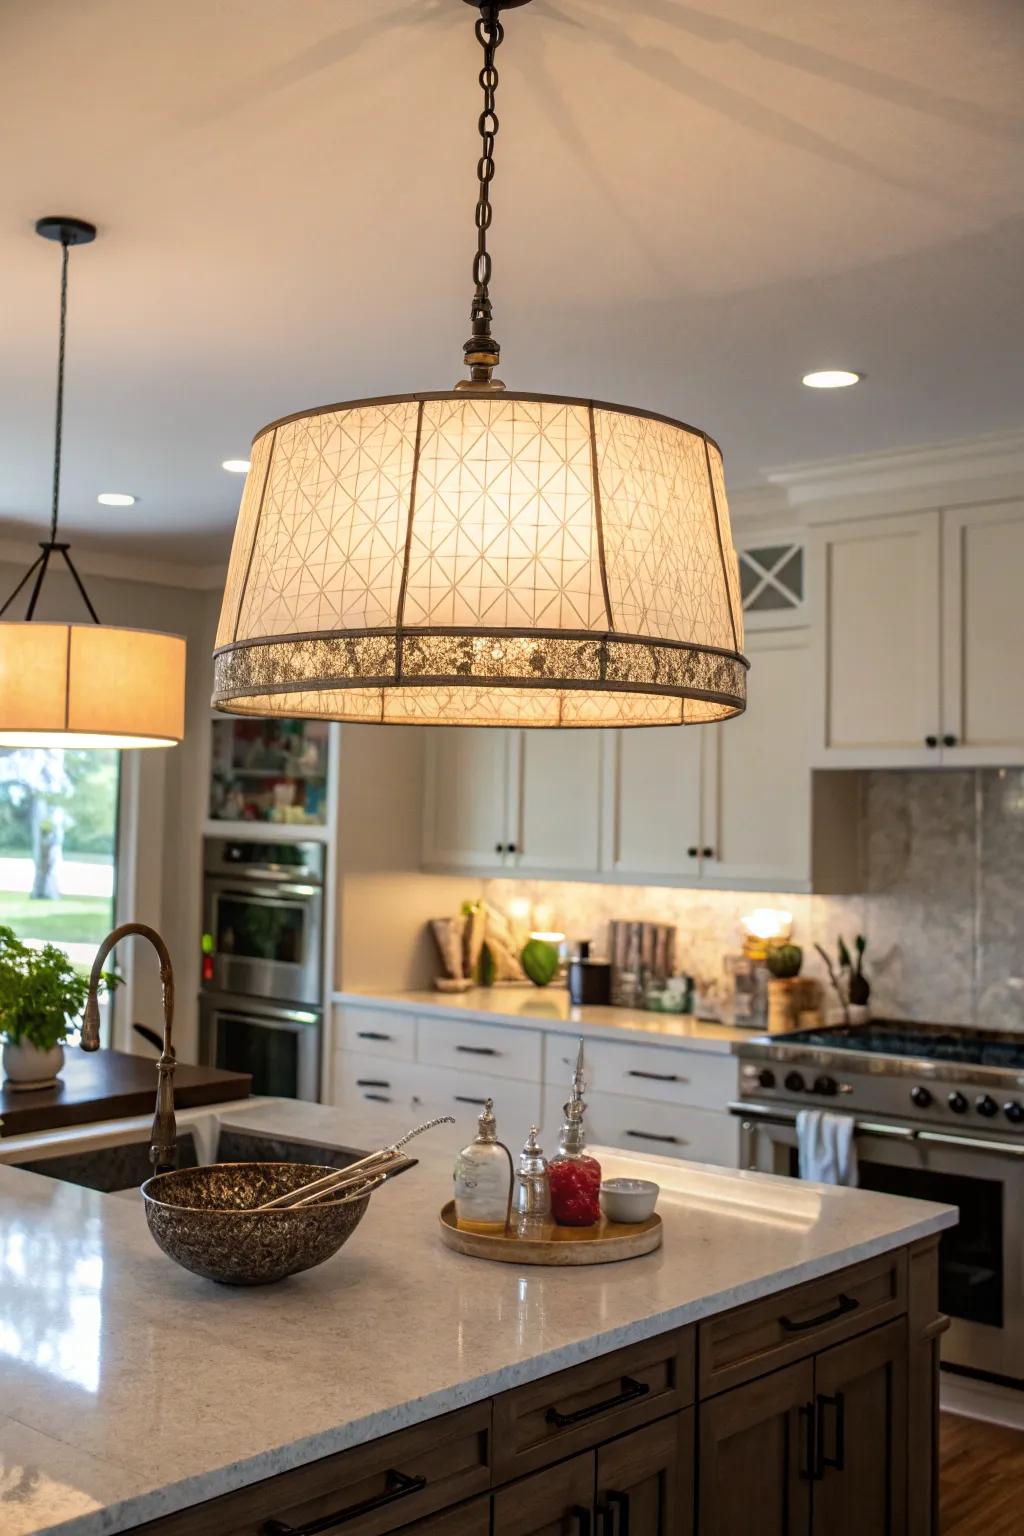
[648, 1098]
[424, 1091]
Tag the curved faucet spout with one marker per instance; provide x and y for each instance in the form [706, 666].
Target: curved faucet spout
[163, 1150]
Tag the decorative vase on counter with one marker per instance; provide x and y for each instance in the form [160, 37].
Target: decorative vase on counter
[574, 1177]
[484, 1177]
[27, 1066]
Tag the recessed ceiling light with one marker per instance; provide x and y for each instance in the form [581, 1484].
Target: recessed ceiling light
[236, 466]
[116, 499]
[831, 378]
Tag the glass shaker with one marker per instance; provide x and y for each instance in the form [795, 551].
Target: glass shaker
[533, 1191]
[483, 1180]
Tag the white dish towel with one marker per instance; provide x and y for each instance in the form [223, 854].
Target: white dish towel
[827, 1151]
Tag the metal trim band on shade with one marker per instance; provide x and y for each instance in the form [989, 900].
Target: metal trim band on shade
[428, 658]
[463, 397]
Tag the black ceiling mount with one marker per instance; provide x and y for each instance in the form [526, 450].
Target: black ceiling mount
[66, 231]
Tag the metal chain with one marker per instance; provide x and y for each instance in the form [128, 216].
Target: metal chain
[58, 430]
[481, 350]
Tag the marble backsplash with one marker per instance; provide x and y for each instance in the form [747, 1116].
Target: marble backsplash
[942, 907]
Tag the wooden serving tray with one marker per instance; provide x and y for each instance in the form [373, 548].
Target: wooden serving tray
[604, 1243]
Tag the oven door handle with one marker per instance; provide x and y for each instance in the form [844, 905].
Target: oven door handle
[773, 1114]
[974, 1143]
[265, 893]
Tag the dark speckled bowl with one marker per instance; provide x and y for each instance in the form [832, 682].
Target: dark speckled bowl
[203, 1218]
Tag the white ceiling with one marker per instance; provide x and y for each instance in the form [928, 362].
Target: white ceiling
[695, 204]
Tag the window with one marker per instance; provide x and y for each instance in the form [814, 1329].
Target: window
[58, 846]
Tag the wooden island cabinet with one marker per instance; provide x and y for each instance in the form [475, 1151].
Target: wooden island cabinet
[810, 1412]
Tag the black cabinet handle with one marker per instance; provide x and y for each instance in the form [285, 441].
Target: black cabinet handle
[691, 853]
[510, 848]
[838, 1457]
[478, 1050]
[650, 1136]
[931, 741]
[581, 1514]
[657, 1077]
[397, 1486]
[372, 1082]
[499, 847]
[845, 1304]
[949, 741]
[372, 1034]
[619, 1502]
[460, 1098]
[378, 1098]
[709, 853]
[808, 1465]
[630, 1390]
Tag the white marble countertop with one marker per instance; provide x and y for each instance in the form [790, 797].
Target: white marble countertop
[549, 1008]
[131, 1388]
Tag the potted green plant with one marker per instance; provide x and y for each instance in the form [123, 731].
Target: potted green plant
[41, 997]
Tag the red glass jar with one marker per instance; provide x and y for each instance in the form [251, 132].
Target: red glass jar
[575, 1180]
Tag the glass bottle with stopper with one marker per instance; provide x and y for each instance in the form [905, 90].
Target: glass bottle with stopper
[574, 1176]
[484, 1177]
[533, 1191]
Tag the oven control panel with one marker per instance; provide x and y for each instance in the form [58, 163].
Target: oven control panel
[997, 1109]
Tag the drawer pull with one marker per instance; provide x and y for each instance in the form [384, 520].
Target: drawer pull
[378, 1098]
[397, 1486]
[372, 1082]
[630, 1391]
[808, 1464]
[657, 1077]
[581, 1514]
[462, 1098]
[478, 1050]
[674, 1141]
[838, 1457]
[845, 1304]
[372, 1034]
[617, 1502]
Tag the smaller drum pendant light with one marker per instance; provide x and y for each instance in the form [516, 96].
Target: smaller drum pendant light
[86, 684]
[482, 556]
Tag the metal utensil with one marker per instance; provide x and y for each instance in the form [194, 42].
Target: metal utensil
[372, 1163]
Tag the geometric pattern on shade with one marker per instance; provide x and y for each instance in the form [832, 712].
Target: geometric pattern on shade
[483, 559]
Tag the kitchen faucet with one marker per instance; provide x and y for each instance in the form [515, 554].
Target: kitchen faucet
[163, 1146]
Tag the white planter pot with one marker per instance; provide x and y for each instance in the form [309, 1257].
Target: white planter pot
[26, 1066]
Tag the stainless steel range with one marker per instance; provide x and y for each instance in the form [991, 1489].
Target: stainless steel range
[939, 1116]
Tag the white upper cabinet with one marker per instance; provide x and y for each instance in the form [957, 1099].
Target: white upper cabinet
[757, 787]
[466, 821]
[876, 631]
[555, 794]
[983, 635]
[655, 812]
[918, 627]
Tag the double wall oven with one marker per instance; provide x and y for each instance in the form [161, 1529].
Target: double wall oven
[262, 966]
[938, 1116]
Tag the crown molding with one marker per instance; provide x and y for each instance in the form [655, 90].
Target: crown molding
[990, 465]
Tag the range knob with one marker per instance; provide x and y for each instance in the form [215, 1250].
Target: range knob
[825, 1085]
[920, 1096]
[766, 1078]
[958, 1104]
[1014, 1112]
[794, 1082]
[986, 1105]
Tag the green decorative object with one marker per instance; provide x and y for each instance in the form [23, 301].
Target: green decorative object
[485, 967]
[784, 960]
[540, 961]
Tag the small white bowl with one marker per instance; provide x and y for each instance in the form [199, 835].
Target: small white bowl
[628, 1200]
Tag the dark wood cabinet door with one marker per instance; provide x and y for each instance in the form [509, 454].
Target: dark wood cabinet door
[756, 1457]
[861, 1432]
[556, 1502]
[645, 1481]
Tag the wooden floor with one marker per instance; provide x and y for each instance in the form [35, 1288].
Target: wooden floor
[982, 1478]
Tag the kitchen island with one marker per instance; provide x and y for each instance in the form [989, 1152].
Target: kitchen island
[136, 1395]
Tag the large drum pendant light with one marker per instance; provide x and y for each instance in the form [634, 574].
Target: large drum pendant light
[481, 556]
[87, 684]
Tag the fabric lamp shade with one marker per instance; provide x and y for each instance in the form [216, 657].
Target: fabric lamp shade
[90, 685]
[467, 558]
